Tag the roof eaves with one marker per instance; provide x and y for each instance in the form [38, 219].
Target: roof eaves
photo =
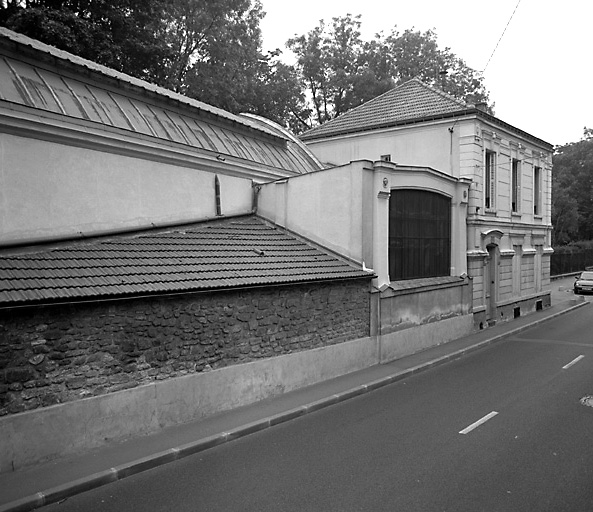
[21, 42]
[25, 301]
[468, 111]
[391, 124]
[510, 127]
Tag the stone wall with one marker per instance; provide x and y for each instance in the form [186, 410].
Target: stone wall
[56, 354]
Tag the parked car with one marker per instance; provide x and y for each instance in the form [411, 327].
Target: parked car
[584, 282]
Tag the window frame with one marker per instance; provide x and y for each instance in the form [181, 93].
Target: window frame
[516, 185]
[420, 234]
[490, 158]
[537, 191]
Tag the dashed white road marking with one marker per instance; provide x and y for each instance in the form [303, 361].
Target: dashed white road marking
[488, 416]
[574, 361]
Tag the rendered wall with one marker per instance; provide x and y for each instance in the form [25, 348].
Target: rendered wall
[505, 280]
[513, 308]
[51, 190]
[474, 139]
[423, 303]
[403, 343]
[328, 207]
[415, 315]
[427, 145]
[346, 209]
[458, 148]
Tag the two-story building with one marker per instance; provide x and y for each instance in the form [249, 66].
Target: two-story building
[508, 202]
[162, 260]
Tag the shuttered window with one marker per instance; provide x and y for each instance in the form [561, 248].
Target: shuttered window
[490, 180]
[537, 190]
[419, 234]
[515, 185]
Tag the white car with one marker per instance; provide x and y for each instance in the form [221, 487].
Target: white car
[584, 283]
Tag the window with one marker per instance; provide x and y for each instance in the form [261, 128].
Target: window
[489, 179]
[515, 185]
[386, 158]
[537, 190]
[419, 234]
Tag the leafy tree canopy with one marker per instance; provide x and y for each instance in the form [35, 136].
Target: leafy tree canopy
[122, 34]
[211, 50]
[206, 49]
[572, 190]
[341, 70]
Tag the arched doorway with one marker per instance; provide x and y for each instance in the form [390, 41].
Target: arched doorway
[491, 282]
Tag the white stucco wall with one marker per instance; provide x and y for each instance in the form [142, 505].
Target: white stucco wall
[423, 145]
[328, 207]
[457, 148]
[346, 209]
[50, 190]
[507, 145]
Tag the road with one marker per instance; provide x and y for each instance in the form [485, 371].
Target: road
[503, 429]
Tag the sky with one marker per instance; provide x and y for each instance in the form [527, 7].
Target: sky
[540, 77]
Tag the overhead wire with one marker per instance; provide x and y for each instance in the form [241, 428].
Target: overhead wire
[501, 36]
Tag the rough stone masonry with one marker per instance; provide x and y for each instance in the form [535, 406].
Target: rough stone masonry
[60, 353]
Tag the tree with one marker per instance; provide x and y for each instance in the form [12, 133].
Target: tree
[279, 95]
[206, 49]
[336, 66]
[211, 38]
[416, 54]
[572, 189]
[341, 71]
[312, 66]
[565, 217]
[156, 40]
[121, 34]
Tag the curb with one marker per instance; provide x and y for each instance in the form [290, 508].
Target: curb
[562, 276]
[64, 491]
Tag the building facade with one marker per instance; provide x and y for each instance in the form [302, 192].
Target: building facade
[88, 151]
[508, 222]
[164, 260]
[138, 287]
[350, 210]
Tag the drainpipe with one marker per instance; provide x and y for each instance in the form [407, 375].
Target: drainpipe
[376, 322]
[256, 189]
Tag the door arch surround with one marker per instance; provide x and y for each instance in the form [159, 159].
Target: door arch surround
[491, 282]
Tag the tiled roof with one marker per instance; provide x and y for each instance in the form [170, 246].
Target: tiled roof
[412, 100]
[228, 253]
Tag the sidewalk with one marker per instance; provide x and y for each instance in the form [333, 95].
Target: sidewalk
[47, 483]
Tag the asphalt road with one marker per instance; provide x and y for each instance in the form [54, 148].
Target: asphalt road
[503, 429]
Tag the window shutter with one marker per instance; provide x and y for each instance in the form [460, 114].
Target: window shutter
[492, 180]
